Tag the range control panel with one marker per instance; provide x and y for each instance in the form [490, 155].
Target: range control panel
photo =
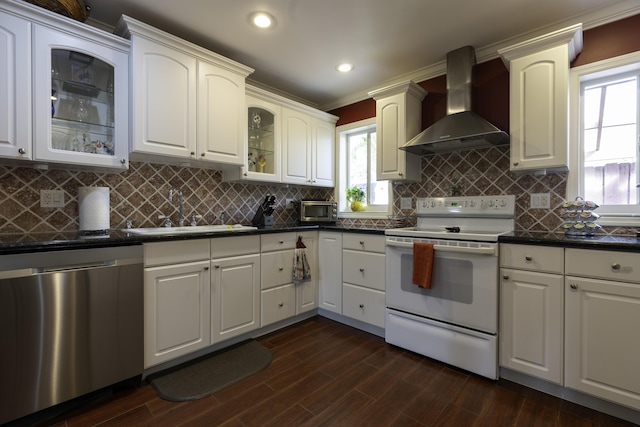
[472, 206]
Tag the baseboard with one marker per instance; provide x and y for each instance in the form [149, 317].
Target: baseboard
[604, 406]
[375, 330]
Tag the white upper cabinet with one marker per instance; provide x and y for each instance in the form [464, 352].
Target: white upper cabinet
[398, 119]
[286, 142]
[308, 148]
[66, 85]
[15, 87]
[539, 99]
[188, 102]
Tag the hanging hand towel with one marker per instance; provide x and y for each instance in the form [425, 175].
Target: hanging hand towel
[301, 269]
[422, 264]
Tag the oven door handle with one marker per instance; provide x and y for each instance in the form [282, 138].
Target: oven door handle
[444, 248]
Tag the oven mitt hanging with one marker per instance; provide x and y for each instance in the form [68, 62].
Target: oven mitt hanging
[301, 269]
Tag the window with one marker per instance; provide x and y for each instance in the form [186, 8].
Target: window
[604, 146]
[357, 168]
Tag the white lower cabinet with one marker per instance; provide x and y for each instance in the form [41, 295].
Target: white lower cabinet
[531, 313]
[235, 286]
[602, 315]
[531, 323]
[364, 304]
[176, 300]
[570, 316]
[330, 271]
[281, 296]
[363, 278]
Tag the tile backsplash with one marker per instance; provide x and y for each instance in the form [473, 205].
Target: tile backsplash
[140, 194]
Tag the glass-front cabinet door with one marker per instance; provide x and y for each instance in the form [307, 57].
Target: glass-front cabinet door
[263, 141]
[81, 101]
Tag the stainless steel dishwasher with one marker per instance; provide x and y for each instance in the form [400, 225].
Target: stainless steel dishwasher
[71, 322]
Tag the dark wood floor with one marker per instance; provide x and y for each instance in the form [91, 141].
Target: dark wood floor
[325, 373]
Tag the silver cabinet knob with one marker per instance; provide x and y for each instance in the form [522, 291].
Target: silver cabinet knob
[280, 268]
[281, 241]
[528, 257]
[193, 153]
[362, 270]
[281, 305]
[21, 151]
[202, 154]
[361, 305]
[206, 269]
[362, 242]
[516, 163]
[615, 266]
[505, 277]
[217, 266]
[573, 286]
[123, 161]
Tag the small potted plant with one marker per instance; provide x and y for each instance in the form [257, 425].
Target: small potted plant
[355, 197]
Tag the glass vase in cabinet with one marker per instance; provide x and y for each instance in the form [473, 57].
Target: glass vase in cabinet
[263, 145]
[80, 101]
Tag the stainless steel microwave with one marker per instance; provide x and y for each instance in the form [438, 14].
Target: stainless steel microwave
[316, 211]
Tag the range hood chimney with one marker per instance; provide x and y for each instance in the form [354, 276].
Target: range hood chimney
[461, 128]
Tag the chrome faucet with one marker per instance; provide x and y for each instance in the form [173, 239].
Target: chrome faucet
[181, 203]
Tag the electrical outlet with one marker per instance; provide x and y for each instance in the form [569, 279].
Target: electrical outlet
[51, 198]
[540, 201]
[289, 204]
[405, 202]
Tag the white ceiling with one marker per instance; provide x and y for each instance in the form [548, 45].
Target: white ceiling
[386, 40]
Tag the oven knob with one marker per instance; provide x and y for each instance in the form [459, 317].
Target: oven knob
[503, 203]
[472, 203]
[491, 204]
[433, 203]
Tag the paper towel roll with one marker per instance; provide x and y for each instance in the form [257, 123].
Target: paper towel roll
[93, 208]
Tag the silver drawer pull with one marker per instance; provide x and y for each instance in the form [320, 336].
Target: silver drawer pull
[615, 266]
[528, 257]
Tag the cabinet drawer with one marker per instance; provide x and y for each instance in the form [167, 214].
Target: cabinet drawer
[278, 304]
[277, 242]
[603, 264]
[532, 257]
[366, 305]
[163, 253]
[364, 269]
[363, 242]
[277, 268]
[223, 247]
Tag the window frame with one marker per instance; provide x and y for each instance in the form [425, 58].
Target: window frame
[371, 212]
[610, 215]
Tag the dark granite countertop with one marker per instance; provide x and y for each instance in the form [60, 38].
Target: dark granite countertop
[65, 240]
[603, 242]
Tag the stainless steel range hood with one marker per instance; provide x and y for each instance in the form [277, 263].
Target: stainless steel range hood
[461, 128]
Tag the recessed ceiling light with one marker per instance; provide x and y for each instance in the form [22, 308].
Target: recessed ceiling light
[344, 68]
[262, 20]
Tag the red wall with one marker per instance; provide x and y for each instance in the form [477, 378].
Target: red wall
[491, 78]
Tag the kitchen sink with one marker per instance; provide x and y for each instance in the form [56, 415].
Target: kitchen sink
[168, 231]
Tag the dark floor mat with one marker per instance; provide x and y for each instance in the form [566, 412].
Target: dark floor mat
[213, 373]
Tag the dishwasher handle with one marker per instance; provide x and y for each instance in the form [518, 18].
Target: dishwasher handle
[74, 267]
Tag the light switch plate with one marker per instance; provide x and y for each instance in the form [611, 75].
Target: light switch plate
[405, 202]
[540, 201]
[51, 198]
[289, 204]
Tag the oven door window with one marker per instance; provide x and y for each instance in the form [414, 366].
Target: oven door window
[452, 279]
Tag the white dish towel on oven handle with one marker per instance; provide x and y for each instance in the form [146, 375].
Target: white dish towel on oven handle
[301, 269]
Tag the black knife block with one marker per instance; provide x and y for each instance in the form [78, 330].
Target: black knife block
[262, 220]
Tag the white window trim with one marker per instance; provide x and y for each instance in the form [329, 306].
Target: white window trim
[624, 216]
[341, 147]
